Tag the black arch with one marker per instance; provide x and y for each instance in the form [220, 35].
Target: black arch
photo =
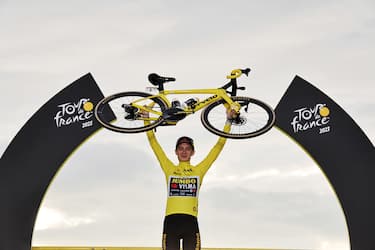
[342, 150]
[35, 155]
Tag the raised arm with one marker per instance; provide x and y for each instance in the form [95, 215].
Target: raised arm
[206, 163]
[158, 150]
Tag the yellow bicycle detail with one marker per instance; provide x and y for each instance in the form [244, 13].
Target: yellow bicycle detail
[253, 117]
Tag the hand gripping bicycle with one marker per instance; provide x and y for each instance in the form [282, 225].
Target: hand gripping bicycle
[139, 111]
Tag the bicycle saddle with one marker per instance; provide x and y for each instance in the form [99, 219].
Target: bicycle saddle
[155, 79]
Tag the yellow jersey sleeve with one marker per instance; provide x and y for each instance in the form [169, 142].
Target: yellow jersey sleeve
[206, 163]
[164, 161]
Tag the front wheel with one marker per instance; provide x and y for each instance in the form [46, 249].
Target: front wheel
[128, 117]
[255, 118]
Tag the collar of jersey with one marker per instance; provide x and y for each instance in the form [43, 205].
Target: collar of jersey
[184, 164]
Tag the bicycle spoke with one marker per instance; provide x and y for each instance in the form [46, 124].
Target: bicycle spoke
[254, 118]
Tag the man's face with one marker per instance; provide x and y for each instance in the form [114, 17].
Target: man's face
[184, 152]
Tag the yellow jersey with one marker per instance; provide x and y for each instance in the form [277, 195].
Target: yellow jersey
[184, 180]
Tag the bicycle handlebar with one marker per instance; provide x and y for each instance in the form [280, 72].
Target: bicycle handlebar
[238, 72]
[233, 81]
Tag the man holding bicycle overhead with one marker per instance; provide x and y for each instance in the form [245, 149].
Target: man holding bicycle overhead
[135, 112]
[183, 183]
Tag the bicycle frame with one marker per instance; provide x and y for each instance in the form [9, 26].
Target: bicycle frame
[215, 95]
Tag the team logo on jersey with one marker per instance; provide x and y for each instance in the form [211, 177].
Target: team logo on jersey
[183, 186]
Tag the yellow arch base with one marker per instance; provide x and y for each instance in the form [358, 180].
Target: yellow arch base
[139, 248]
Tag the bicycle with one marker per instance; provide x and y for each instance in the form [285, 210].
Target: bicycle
[252, 117]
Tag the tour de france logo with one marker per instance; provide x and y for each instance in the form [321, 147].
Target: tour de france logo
[75, 112]
[308, 118]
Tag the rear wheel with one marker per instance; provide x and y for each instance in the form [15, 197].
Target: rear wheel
[255, 118]
[128, 118]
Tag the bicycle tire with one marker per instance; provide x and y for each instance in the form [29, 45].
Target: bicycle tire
[122, 123]
[256, 118]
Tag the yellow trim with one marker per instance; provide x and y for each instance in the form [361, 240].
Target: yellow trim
[322, 172]
[139, 248]
[53, 179]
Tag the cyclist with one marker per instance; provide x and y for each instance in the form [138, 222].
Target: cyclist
[183, 183]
